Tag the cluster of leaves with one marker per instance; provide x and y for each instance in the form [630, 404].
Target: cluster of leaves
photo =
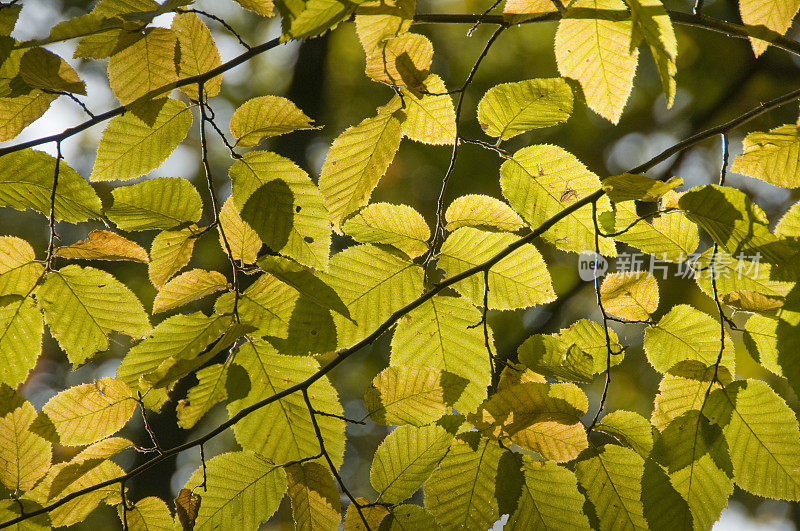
[483, 436]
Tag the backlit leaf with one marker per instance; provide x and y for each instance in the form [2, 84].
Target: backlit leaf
[311, 18]
[481, 211]
[510, 109]
[209, 391]
[198, 54]
[44, 70]
[315, 497]
[18, 269]
[516, 11]
[145, 65]
[650, 20]
[630, 428]
[262, 7]
[632, 296]
[430, 118]
[773, 157]
[628, 186]
[25, 457]
[304, 282]
[265, 117]
[401, 61]
[243, 240]
[375, 25]
[104, 245]
[149, 514]
[161, 203]
[170, 252]
[400, 226]
[17, 113]
[21, 330]
[776, 16]
[187, 287]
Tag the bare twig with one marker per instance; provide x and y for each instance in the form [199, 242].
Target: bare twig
[52, 217]
[221, 21]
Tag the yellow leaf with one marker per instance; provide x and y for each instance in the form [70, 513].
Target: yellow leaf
[378, 20]
[775, 15]
[24, 456]
[481, 211]
[18, 113]
[104, 245]
[146, 65]
[198, 54]
[188, 287]
[44, 70]
[265, 117]
[20, 340]
[593, 46]
[18, 269]
[148, 514]
[651, 21]
[243, 240]
[314, 495]
[397, 225]
[431, 118]
[515, 11]
[262, 7]
[773, 157]
[86, 413]
[170, 252]
[632, 296]
[402, 61]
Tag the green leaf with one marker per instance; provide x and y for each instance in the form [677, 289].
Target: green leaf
[549, 499]
[148, 514]
[281, 203]
[42, 69]
[187, 287]
[430, 118]
[737, 224]
[145, 65]
[789, 224]
[706, 488]
[25, 456]
[510, 109]
[773, 157]
[19, 112]
[517, 281]
[375, 25]
[593, 46]
[683, 389]
[314, 495]
[409, 517]
[266, 304]
[669, 236]
[400, 226]
[406, 458]
[440, 334]
[262, 7]
[627, 187]
[632, 296]
[170, 252]
[291, 436]
[304, 282]
[10, 509]
[179, 337]
[776, 16]
[198, 54]
[651, 21]
[357, 160]
[662, 505]
[161, 203]
[83, 305]
[374, 516]
[483, 212]
[685, 333]
[373, 284]
[310, 18]
[18, 269]
[412, 394]
[209, 391]
[20, 340]
[630, 428]
[763, 437]
[104, 245]
[611, 476]
[540, 181]
[243, 240]
[26, 181]
[86, 413]
[131, 147]
[461, 492]
[266, 117]
[542, 417]
[243, 490]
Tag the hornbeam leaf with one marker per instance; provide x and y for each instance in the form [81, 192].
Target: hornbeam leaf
[440, 334]
[763, 437]
[148, 514]
[291, 435]
[311, 18]
[776, 16]
[21, 330]
[737, 224]
[262, 7]
[25, 456]
[516, 11]
[628, 186]
[26, 181]
[357, 160]
[304, 282]
[198, 54]
[145, 65]
[611, 476]
[630, 428]
[461, 492]
[42, 69]
[407, 517]
[789, 224]
[706, 488]
[243, 240]
[161, 203]
[632, 296]
[104, 245]
[8, 19]
[18, 269]
[650, 20]
[662, 505]
[314, 495]
[540, 181]
[170, 252]
[375, 25]
[17, 113]
[550, 498]
[374, 516]
[131, 147]
[406, 458]
[187, 287]
[541, 417]
[243, 490]
[10, 509]
[412, 394]
[209, 391]
[686, 334]
[83, 305]
[483, 212]
[510, 109]
[86, 413]
[593, 46]
[373, 284]
[517, 281]
[773, 157]
[266, 117]
[400, 226]
[683, 389]
[281, 203]
[430, 117]
[401, 61]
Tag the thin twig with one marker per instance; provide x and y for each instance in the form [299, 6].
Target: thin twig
[147, 428]
[221, 21]
[52, 218]
[340, 417]
[71, 96]
[478, 23]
